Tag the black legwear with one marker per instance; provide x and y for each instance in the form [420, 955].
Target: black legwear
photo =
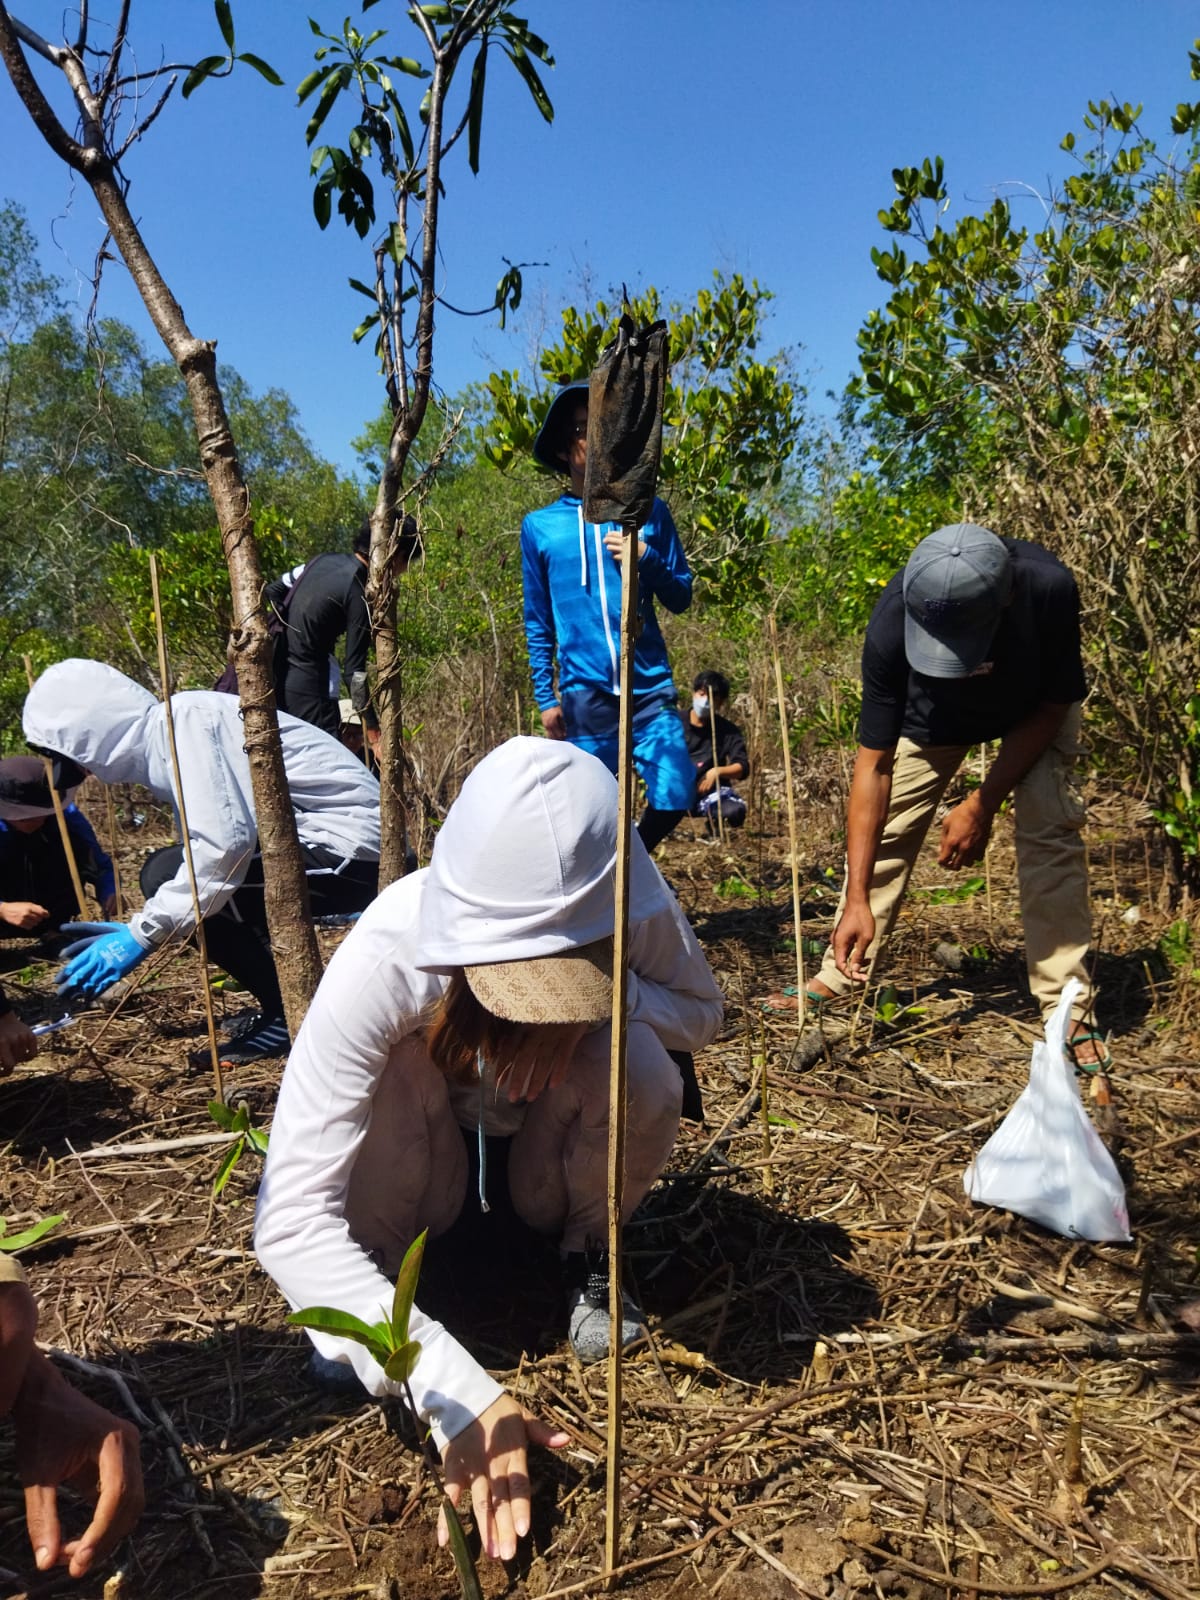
[654, 826]
[236, 936]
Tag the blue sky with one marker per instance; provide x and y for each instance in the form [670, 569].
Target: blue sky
[689, 135]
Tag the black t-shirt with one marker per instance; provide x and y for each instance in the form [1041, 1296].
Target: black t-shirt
[329, 600]
[1035, 657]
[731, 747]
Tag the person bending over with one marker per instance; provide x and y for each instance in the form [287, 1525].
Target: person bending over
[113, 727]
[477, 995]
[976, 638]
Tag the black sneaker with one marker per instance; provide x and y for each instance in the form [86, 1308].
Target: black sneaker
[268, 1037]
[586, 1274]
[240, 1022]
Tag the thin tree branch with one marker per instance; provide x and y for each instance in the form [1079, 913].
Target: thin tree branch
[146, 122]
[109, 80]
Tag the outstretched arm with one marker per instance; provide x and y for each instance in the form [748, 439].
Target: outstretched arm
[870, 794]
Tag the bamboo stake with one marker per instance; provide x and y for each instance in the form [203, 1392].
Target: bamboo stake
[517, 709]
[61, 819]
[791, 810]
[617, 1066]
[712, 724]
[987, 870]
[112, 845]
[164, 675]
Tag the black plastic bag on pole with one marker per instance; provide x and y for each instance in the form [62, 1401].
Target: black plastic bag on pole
[624, 437]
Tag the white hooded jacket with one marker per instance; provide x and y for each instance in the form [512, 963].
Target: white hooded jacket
[523, 867]
[118, 730]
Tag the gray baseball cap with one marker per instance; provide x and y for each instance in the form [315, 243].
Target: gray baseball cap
[956, 585]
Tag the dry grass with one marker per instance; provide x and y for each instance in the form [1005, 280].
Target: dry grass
[857, 1382]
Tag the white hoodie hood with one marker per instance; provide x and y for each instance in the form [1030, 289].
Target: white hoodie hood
[97, 716]
[525, 861]
[118, 730]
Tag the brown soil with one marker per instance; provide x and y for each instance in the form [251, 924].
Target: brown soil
[860, 1384]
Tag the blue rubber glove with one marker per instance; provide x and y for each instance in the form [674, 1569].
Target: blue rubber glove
[92, 930]
[108, 953]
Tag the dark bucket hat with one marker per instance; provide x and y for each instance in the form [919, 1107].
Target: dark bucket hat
[548, 446]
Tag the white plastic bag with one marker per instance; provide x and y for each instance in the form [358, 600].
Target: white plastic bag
[1046, 1161]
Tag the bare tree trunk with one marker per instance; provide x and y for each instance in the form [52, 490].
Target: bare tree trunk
[286, 888]
[409, 415]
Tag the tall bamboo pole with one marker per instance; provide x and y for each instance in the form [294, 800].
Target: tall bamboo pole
[60, 818]
[165, 677]
[712, 725]
[791, 811]
[987, 869]
[617, 1066]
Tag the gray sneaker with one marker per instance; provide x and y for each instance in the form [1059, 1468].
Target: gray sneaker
[587, 1306]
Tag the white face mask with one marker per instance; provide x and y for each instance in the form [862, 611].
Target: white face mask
[700, 704]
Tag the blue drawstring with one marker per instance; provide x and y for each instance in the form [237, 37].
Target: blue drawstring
[483, 1204]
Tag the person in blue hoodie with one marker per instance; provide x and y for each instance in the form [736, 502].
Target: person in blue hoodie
[572, 578]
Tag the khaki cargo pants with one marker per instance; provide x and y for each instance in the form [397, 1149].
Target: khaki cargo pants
[1051, 860]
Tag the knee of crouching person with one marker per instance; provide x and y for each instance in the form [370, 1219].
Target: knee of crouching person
[654, 1089]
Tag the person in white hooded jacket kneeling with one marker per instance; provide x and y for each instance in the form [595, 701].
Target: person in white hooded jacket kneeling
[113, 727]
[476, 995]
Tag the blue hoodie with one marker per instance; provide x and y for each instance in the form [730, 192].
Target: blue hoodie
[573, 601]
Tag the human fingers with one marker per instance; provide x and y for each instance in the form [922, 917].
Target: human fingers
[510, 1504]
[544, 1433]
[495, 1533]
[453, 1494]
[119, 1503]
[41, 1519]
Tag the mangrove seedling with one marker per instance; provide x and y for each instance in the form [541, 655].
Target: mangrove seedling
[13, 1242]
[235, 1122]
[389, 1343]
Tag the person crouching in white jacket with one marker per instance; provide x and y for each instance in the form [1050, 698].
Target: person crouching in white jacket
[113, 727]
[476, 995]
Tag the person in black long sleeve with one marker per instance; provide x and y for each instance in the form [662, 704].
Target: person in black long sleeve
[717, 770]
[317, 604]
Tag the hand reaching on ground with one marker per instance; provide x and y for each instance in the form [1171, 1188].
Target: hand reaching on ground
[852, 939]
[489, 1460]
[63, 1437]
[107, 952]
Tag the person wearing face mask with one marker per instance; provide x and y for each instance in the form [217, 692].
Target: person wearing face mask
[474, 999]
[571, 573]
[719, 766]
